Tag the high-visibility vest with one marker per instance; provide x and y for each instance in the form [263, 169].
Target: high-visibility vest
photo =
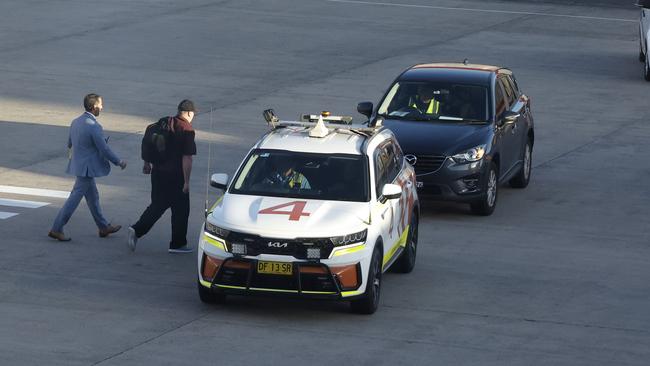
[433, 108]
[296, 179]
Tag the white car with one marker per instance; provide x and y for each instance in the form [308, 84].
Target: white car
[644, 36]
[316, 210]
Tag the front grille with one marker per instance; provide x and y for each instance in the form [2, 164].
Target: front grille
[428, 163]
[256, 245]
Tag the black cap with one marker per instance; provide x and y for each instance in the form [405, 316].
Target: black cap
[186, 106]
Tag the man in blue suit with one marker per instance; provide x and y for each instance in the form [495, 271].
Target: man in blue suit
[90, 157]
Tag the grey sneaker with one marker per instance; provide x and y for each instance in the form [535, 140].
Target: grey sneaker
[133, 239]
[184, 249]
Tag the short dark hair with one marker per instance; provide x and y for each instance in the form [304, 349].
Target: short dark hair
[186, 105]
[90, 101]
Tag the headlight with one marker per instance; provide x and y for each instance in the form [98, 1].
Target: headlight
[471, 155]
[216, 231]
[350, 238]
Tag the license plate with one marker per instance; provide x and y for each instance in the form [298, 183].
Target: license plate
[276, 268]
[419, 184]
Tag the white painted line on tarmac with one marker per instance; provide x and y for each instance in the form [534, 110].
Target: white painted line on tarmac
[6, 215]
[34, 191]
[21, 203]
[483, 10]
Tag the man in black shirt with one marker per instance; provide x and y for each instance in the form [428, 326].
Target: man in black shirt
[170, 182]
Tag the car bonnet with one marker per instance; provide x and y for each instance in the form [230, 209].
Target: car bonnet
[289, 217]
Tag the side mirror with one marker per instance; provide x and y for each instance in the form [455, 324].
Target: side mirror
[391, 191]
[509, 117]
[219, 181]
[365, 108]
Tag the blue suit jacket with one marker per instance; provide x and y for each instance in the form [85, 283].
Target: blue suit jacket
[90, 152]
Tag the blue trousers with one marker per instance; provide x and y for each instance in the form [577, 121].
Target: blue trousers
[83, 187]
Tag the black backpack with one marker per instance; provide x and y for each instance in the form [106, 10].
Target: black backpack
[157, 140]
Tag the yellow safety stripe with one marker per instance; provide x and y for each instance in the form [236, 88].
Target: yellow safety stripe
[234, 287]
[401, 242]
[207, 284]
[351, 293]
[216, 243]
[405, 234]
[273, 290]
[338, 252]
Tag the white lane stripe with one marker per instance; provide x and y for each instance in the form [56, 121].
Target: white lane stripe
[34, 191]
[483, 10]
[6, 215]
[21, 203]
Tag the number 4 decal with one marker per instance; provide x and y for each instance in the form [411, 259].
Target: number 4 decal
[294, 214]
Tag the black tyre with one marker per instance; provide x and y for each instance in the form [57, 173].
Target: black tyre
[641, 54]
[207, 296]
[646, 69]
[370, 301]
[523, 177]
[406, 261]
[485, 206]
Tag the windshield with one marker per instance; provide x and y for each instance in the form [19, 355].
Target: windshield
[280, 173]
[434, 101]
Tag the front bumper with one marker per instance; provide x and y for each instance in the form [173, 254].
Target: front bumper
[453, 182]
[239, 275]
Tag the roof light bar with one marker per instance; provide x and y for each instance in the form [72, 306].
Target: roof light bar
[320, 125]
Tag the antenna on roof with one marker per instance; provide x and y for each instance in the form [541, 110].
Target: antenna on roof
[320, 130]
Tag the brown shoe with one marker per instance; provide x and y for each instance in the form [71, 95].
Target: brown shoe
[108, 230]
[58, 236]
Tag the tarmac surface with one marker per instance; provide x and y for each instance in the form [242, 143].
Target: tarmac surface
[559, 275]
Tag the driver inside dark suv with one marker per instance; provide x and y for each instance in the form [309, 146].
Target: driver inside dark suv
[424, 101]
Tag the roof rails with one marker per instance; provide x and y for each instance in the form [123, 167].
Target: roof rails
[320, 125]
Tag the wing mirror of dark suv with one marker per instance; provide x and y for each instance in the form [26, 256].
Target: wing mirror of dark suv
[365, 108]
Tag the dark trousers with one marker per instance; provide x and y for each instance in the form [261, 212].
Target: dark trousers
[166, 192]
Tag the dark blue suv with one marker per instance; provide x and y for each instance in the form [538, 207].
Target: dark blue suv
[464, 128]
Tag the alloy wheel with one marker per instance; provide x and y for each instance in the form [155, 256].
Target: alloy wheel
[413, 243]
[376, 282]
[491, 188]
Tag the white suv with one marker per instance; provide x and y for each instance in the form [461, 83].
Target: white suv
[316, 210]
[644, 36]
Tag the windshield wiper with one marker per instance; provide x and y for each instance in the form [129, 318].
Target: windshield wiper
[460, 119]
[389, 116]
